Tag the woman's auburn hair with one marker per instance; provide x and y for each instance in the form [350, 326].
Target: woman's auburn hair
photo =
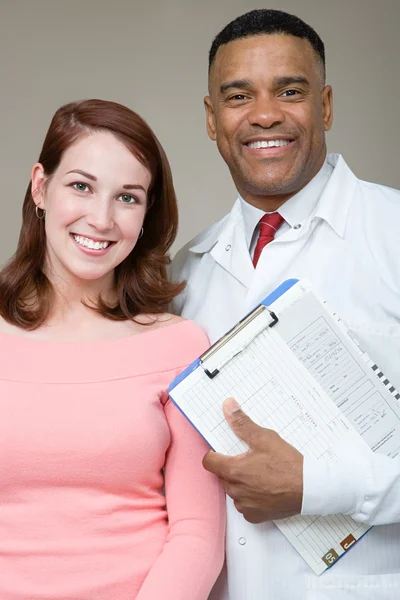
[141, 282]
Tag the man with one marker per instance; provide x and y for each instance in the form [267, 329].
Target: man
[302, 214]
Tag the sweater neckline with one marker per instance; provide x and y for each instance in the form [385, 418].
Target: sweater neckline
[45, 361]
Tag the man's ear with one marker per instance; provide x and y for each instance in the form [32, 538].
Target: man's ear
[210, 119]
[327, 106]
[38, 180]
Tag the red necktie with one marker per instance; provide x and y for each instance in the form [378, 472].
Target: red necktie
[269, 225]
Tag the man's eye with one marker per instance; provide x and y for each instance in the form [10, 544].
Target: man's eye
[81, 187]
[127, 199]
[237, 97]
[290, 93]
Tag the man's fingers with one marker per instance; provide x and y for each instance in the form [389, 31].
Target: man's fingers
[240, 423]
[219, 464]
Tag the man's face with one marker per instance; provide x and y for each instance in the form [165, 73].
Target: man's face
[268, 111]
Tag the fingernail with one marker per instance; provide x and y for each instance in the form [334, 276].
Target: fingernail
[231, 405]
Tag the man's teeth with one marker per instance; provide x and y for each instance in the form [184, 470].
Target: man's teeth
[268, 144]
[88, 243]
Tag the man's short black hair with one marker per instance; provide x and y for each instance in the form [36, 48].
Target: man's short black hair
[265, 22]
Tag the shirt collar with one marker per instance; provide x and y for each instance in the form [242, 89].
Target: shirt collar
[295, 210]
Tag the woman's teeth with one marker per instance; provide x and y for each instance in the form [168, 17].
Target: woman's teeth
[88, 243]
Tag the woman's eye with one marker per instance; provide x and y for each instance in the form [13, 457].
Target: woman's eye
[127, 199]
[81, 187]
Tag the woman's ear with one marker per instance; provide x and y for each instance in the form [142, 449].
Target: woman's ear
[38, 180]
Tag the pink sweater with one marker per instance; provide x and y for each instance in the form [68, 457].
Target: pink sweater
[85, 431]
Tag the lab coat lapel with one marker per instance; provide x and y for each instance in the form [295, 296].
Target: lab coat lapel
[231, 251]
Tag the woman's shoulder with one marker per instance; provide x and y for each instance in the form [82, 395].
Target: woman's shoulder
[166, 319]
[13, 330]
[188, 338]
[188, 327]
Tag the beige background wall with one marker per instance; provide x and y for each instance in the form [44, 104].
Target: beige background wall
[152, 56]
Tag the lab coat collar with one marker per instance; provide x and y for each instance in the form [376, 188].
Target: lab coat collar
[333, 208]
[227, 246]
[207, 240]
[335, 201]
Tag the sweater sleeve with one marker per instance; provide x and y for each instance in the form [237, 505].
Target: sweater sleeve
[193, 553]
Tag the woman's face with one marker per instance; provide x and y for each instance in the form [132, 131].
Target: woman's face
[95, 205]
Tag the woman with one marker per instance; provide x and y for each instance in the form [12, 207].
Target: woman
[88, 437]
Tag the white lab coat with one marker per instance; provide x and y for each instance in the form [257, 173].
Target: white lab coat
[349, 248]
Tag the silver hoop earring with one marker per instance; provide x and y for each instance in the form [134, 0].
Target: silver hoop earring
[40, 215]
[141, 233]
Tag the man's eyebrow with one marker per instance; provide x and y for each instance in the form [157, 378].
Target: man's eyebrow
[290, 79]
[84, 173]
[236, 84]
[239, 84]
[127, 186]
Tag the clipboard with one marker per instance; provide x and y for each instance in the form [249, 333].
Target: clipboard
[279, 362]
[202, 360]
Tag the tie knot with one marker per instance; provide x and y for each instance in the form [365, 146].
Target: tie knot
[270, 223]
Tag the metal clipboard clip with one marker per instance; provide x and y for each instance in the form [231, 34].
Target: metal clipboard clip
[231, 334]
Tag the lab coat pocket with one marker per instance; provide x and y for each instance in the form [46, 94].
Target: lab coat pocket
[356, 587]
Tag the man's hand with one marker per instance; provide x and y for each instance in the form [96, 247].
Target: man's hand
[266, 482]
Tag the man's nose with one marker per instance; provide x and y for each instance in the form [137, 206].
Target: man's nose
[266, 112]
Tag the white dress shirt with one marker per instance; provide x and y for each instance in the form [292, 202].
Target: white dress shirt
[342, 236]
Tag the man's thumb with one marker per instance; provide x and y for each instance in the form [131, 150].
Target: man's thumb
[239, 422]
